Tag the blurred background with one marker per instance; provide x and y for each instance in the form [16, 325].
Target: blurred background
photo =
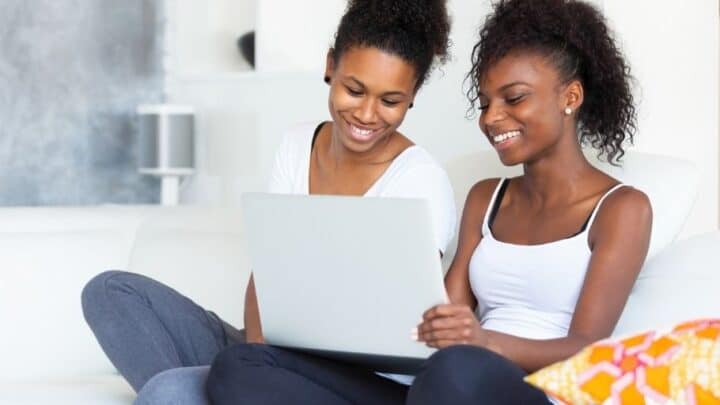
[73, 72]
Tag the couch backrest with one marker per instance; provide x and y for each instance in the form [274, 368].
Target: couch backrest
[200, 252]
[681, 283]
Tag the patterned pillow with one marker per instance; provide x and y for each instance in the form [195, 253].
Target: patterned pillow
[681, 366]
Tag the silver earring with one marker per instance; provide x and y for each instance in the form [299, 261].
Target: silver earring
[568, 110]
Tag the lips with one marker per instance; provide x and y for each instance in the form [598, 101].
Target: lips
[502, 140]
[362, 134]
[505, 136]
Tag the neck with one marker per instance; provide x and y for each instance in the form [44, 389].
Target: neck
[342, 156]
[554, 177]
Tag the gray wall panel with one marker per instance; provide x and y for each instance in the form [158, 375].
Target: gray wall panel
[71, 74]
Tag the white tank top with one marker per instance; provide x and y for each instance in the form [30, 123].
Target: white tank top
[529, 291]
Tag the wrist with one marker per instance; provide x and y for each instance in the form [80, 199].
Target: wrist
[253, 335]
[492, 344]
[254, 338]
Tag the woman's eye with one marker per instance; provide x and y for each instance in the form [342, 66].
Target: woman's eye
[354, 93]
[515, 100]
[390, 103]
[483, 103]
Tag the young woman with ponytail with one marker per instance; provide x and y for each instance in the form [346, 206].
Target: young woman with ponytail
[163, 343]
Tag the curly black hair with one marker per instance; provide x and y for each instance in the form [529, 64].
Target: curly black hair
[574, 36]
[415, 30]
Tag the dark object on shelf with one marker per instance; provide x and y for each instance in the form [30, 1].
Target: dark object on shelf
[246, 44]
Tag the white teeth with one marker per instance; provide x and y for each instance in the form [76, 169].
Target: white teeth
[504, 136]
[361, 132]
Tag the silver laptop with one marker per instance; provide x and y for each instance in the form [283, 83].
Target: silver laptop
[346, 278]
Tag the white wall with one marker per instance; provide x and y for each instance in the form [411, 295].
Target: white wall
[672, 47]
[292, 36]
[202, 36]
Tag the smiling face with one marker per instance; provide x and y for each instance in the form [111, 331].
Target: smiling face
[522, 102]
[370, 92]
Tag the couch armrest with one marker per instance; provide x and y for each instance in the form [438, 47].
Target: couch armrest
[47, 255]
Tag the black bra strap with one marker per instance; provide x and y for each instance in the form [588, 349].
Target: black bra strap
[587, 221]
[496, 204]
[315, 134]
[595, 208]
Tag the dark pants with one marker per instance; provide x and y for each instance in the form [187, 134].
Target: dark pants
[146, 329]
[261, 374]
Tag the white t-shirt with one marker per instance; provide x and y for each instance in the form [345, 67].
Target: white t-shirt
[413, 174]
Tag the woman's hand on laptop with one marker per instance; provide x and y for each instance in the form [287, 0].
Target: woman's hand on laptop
[450, 324]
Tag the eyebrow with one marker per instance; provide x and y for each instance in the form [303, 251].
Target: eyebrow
[507, 86]
[388, 93]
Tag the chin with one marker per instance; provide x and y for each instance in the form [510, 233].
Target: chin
[361, 146]
[510, 160]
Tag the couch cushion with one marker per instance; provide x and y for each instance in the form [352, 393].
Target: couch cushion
[678, 284]
[90, 390]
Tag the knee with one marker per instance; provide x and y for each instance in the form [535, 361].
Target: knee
[175, 386]
[96, 293]
[452, 359]
[461, 374]
[474, 362]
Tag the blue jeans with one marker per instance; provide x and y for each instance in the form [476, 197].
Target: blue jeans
[261, 374]
[146, 328]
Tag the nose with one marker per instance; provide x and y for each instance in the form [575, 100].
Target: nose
[491, 116]
[366, 111]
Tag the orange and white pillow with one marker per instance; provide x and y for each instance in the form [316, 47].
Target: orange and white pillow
[681, 367]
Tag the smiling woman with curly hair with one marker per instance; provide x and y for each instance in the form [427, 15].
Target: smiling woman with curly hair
[574, 38]
[545, 260]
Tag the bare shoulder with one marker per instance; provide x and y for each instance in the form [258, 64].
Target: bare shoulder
[627, 201]
[478, 199]
[627, 210]
[484, 188]
[481, 192]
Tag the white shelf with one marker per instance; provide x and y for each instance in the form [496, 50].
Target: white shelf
[214, 76]
[202, 37]
[254, 75]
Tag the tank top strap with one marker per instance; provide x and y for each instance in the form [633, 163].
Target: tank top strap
[599, 203]
[491, 206]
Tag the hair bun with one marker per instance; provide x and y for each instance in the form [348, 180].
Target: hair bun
[426, 18]
[415, 30]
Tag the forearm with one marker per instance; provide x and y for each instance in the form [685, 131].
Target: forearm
[531, 354]
[253, 328]
[458, 290]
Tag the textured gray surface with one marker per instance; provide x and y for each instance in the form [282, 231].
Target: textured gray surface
[71, 74]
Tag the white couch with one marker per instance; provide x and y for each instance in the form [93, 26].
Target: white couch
[47, 254]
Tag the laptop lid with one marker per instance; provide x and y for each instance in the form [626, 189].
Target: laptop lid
[344, 277]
